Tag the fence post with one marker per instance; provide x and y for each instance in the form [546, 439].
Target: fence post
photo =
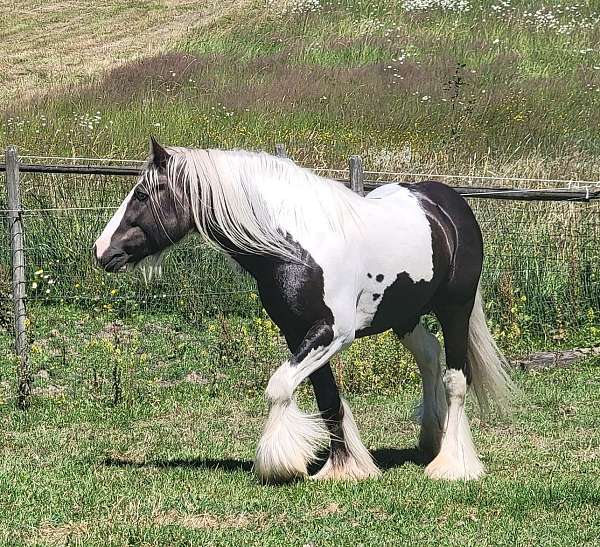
[18, 275]
[357, 182]
[280, 151]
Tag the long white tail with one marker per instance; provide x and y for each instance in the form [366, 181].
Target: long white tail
[491, 381]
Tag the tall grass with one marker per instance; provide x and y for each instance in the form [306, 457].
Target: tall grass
[410, 86]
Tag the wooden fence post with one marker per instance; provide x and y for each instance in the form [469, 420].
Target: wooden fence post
[280, 151]
[18, 276]
[357, 176]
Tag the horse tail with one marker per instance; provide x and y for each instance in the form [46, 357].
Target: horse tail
[491, 381]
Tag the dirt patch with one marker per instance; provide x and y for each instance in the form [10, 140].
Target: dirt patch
[48, 391]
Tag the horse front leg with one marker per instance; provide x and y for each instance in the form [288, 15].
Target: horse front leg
[348, 458]
[291, 439]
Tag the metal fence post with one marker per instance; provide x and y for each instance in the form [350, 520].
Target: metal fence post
[357, 175]
[280, 151]
[18, 275]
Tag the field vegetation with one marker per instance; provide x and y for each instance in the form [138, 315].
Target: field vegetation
[485, 84]
[504, 88]
[496, 88]
[147, 400]
[134, 441]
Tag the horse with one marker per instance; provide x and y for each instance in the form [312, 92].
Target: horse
[330, 266]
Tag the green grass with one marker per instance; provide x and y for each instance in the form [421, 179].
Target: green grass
[434, 91]
[170, 463]
[527, 91]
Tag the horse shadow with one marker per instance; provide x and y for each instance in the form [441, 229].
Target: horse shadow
[390, 458]
[385, 458]
[226, 464]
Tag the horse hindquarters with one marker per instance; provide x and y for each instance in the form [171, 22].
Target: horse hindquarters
[458, 258]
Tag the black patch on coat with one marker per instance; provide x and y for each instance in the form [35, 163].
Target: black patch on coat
[379, 278]
[453, 223]
[292, 293]
[401, 305]
[319, 335]
[376, 296]
[369, 276]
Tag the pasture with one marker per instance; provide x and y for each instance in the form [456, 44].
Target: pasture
[148, 399]
[171, 462]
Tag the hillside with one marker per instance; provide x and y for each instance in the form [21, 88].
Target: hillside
[52, 44]
[507, 86]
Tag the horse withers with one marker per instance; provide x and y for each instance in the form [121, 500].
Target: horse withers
[330, 266]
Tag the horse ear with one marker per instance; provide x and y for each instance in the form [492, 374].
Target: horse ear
[158, 155]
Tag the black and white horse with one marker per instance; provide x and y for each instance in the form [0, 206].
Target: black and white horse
[330, 266]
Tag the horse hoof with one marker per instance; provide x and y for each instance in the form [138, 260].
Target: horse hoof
[348, 470]
[450, 469]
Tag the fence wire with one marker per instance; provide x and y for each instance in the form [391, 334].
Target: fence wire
[541, 274]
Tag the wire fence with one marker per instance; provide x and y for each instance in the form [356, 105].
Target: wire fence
[541, 274]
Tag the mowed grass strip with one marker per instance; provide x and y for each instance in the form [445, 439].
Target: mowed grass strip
[174, 467]
[52, 44]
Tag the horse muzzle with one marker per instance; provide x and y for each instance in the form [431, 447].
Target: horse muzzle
[111, 260]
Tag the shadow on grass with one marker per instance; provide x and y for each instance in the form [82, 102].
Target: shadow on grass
[389, 458]
[385, 458]
[191, 463]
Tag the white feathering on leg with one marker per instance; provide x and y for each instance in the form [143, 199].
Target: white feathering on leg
[358, 464]
[290, 439]
[457, 459]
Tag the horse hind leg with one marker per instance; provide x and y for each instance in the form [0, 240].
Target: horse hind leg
[457, 458]
[432, 410]
[348, 458]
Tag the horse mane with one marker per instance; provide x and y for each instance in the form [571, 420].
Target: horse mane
[257, 201]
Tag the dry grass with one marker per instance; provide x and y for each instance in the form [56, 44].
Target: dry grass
[59, 534]
[76, 532]
[207, 520]
[50, 44]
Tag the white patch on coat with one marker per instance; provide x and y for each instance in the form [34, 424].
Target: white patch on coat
[103, 242]
[389, 234]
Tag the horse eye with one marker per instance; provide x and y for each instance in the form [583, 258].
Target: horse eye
[140, 195]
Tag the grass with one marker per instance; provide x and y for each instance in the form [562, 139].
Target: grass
[354, 77]
[170, 462]
[148, 401]
[58, 44]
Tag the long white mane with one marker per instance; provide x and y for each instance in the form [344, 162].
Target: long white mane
[255, 200]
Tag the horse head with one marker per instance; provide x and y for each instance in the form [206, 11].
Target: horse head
[152, 217]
